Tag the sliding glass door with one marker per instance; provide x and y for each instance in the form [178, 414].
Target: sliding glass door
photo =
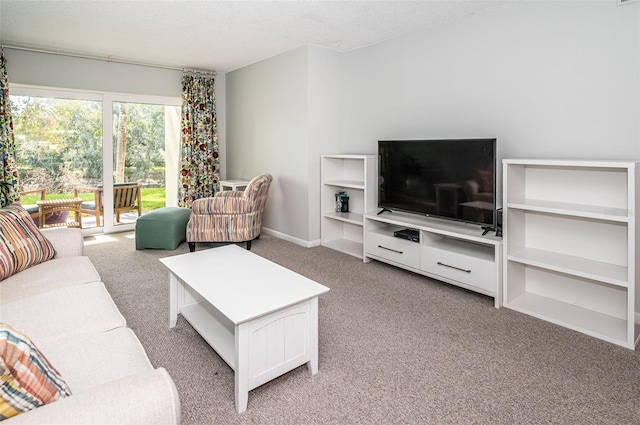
[144, 141]
[117, 152]
[58, 147]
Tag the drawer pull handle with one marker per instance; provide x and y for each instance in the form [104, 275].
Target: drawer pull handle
[454, 267]
[389, 249]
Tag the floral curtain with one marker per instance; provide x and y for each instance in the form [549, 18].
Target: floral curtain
[8, 166]
[199, 161]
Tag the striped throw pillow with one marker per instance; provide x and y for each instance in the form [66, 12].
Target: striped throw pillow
[27, 379]
[21, 243]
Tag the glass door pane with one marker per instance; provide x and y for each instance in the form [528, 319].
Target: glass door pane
[143, 136]
[59, 152]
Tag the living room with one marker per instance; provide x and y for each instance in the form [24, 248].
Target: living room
[548, 79]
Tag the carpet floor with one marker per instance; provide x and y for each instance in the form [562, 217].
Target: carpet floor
[394, 348]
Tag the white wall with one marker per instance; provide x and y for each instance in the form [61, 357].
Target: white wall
[548, 79]
[267, 131]
[325, 123]
[283, 113]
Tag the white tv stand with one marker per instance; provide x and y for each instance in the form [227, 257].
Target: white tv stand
[452, 252]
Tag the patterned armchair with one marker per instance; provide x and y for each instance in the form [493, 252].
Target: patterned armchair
[229, 216]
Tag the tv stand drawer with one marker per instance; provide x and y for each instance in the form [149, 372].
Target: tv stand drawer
[470, 264]
[393, 249]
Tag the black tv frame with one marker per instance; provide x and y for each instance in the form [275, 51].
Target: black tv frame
[487, 227]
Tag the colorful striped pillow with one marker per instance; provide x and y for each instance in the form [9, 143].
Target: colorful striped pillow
[27, 379]
[21, 243]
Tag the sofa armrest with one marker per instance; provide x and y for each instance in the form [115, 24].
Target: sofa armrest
[67, 242]
[145, 398]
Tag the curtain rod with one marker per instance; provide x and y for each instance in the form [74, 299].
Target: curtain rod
[108, 59]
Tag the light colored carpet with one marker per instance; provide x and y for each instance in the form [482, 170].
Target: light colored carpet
[394, 348]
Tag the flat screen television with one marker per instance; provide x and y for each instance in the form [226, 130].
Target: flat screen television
[445, 178]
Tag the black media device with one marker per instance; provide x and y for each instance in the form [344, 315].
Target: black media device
[453, 179]
[412, 235]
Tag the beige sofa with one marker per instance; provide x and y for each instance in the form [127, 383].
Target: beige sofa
[66, 311]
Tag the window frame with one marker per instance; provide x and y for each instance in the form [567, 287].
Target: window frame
[107, 99]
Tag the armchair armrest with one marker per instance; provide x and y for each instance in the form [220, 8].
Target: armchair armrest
[97, 195]
[29, 192]
[77, 189]
[33, 209]
[225, 204]
[145, 398]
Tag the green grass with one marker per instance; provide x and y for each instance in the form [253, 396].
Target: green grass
[152, 198]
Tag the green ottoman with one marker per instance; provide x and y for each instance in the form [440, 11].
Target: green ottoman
[164, 228]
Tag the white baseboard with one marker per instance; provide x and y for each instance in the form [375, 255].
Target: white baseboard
[288, 238]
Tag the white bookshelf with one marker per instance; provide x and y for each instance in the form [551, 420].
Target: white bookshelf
[570, 245]
[356, 175]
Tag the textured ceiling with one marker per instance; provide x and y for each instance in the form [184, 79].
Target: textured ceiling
[216, 35]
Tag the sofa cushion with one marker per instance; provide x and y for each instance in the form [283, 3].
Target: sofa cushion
[64, 313]
[27, 380]
[21, 243]
[97, 358]
[45, 277]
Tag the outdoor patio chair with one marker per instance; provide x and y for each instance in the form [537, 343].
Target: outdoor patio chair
[34, 211]
[126, 197]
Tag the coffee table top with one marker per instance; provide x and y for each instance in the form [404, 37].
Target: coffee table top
[240, 284]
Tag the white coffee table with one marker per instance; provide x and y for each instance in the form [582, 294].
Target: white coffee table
[260, 317]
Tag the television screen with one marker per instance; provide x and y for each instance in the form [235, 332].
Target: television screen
[453, 179]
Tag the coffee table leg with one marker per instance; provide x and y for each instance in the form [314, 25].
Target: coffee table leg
[242, 366]
[173, 300]
[312, 365]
